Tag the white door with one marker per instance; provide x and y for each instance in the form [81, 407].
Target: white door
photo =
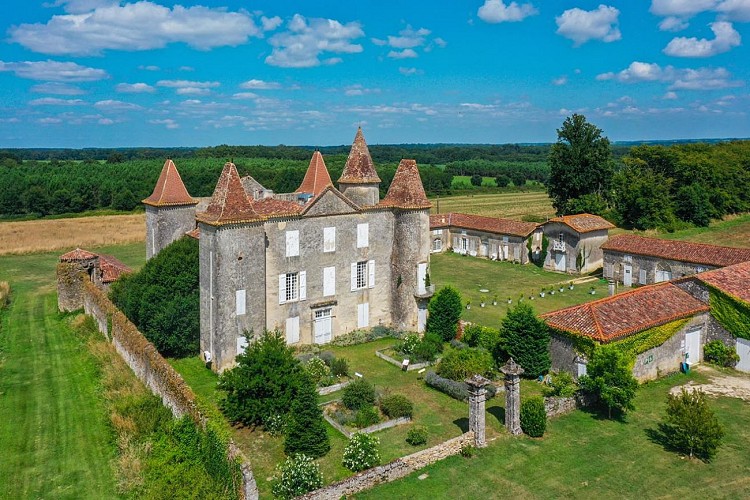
[560, 261]
[323, 326]
[627, 275]
[581, 369]
[421, 275]
[662, 276]
[743, 351]
[421, 318]
[693, 347]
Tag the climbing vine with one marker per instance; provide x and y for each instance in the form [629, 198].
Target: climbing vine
[731, 313]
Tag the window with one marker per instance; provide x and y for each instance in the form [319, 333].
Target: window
[437, 245]
[363, 315]
[329, 239]
[292, 287]
[363, 235]
[561, 237]
[464, 244]
[329, 281]
[363, 274]
[239, 299]
[292, 243]
[292, 330]
[437, 232]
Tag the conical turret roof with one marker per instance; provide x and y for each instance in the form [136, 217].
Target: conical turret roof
[229, 204]
[169, 190]
[317, 176]
[359, 168]
[406, 190]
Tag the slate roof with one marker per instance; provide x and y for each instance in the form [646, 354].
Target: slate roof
[359, 168]
[229, 203]
[317, 176]
[169, 189]
[583, 223]
[732, 280]
[481, 223]
[111, 268]
[406, 189]
[77, 255]
[624, 314]
[683, 251]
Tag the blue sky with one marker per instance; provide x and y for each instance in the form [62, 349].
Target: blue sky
[108, 73]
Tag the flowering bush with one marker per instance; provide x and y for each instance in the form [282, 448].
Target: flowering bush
[410, 343]
[317, 369]
[362, 452]
[296, 476]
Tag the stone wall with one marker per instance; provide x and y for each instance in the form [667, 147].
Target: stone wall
[667, 357]
[167, 224]
[562, 354]
[614, 261]
[554, 407]
[69, 287]
[396, 469]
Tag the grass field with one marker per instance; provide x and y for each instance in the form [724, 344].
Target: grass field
[507, 205]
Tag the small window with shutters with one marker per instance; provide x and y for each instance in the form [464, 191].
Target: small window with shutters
[363, 274]
[292, 243]
[292, 287]
[329, 239]
[329, 281]
[363, 235]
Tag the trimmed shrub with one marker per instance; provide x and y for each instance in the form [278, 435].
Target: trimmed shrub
[417, 435]
[718, 353]
[396, 406]
[456, 390]
[444, 312]
[429, 348]
[460, 364]
[527, 340]
[481, 336]
[306, 431]
[562, 385]
[366, 416]
[533, 417]
[296, 476]
[361, 452]
[468, 451]
[690, 425]
[328, 357]
[317, 369]
[339, 367]
[358, 394]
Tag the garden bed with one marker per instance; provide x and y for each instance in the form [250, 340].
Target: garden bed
[415, 366]
[329, 389]
[349, 431]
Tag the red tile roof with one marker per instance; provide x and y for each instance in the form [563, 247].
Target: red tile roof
[229, 204]
[732, 280]
[111, 268]
[271, 207]
[482, 223]
[169, 189]
[406, 189]
[697, 253]
[317, 176]
[359, 168]
[627, 313]
[76, 255]
[195, 233]
[583, 223]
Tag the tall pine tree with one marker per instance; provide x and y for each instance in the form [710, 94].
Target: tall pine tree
[306, 432]
[526, 339]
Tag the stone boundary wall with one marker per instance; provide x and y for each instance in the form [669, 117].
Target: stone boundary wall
[415, 366]
[324, 391]
[396, 469]
[554, 407]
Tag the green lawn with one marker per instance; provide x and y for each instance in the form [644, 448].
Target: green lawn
[504, 279]
[582, 456]
[55, 436]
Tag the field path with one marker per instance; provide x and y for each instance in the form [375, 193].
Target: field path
[721, 384]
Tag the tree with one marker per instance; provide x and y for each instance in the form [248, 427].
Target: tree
[306, 431]
[518, 177]
[580, 163]
[502, 180]
[476, 180]
[693, 204]
[264, 383]
[609, 378]
[444, 312]
[690, 425]
[526, 340]
[641, 198]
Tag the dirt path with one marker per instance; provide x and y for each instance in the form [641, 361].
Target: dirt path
[733, 386]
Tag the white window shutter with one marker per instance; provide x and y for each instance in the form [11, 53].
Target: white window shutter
[329, 239]
[642, 277]
[363, 235]
[354, 276]
[329, 281]
[292, 330]
[371, 272]
[282, 288]
[292, 243]
[363, 315]
[239, 299]
[241, 344]
[302, 285]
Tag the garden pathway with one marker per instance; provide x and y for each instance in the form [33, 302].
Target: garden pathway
[721, 384]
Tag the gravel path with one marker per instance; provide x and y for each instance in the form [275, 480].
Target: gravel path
[733, 386]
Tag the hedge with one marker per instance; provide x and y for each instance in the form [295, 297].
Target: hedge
[456, 390]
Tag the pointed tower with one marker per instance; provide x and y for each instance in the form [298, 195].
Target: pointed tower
[232, 271]
[316, 178]
[411, 252]
[170, 210]
[359, 181]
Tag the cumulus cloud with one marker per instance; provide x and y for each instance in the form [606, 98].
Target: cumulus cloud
[49, 121]
[402, 54]
[141, 25]
[681, 8]
[670, 96]
[54, 101]
[584, 25]
[150, 67]
[358, 89]
[57, 89]
[270, 23]
[725, 38]
[496, 11]
[672, 23]
[677, 12]
[408, 40]
[304, 42]
[735, 10]
[245, 95]
[410, 71]
[259, 85]
[53, 71]
[177, 84]
[113, 105]
[134, 88]
[168, 122]
[680, 79]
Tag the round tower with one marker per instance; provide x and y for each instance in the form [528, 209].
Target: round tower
[359, 181]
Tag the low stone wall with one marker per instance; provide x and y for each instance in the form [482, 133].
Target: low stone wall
[554, 407]
[367, 430]
[415, 366]
[323, 391]
[397, 469]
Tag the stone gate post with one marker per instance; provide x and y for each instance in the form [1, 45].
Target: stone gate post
[477, 396]
[512, 373]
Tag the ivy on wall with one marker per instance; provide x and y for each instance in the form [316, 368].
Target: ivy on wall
[731, 313]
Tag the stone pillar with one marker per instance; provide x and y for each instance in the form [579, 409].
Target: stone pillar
[512, 373]
[477, 394]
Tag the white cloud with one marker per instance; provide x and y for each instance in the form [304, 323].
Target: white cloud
[402, 54]
[81, 6]
[304, 42]
[636, 72]
[53, 71]
[496, 11]
[672, 23]
[259, 85]
[670, 96]
[141, 25]
[680, 79]
[54, 101]
[582, 25]
[112, 105]
[735, 10]
[134, 88]
[150, 67]
[681, 8]
[440, 42]
[193, 91]
[677, 12]
[49, 121]
[57, 89]
[105, 121]
[725, 38]
[270, 23]
[357, 90]
[408, 38]
[410, 71]
[560, 81]
[186, 68]
[179, 84]
[169, 123]
[245, 95]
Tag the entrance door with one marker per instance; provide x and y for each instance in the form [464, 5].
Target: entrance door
[663, 276]
[693, 347]
[560, 261]
[627, 275]
[743, 351]
[323, 326]
[421, 276]
[421, 318]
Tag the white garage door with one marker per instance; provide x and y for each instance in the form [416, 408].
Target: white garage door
[560, 262]
[743, 351]
[693, 346]
[663, 276]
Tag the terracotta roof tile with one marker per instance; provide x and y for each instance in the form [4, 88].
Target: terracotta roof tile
[317, 176]
[627, 313]
[732, 280]
[583, 223]
[406, 189]
[271, 207]
[169, 189]
[111, 268]
[229, 204]
[195, 233]
[481, 223]
[697, 253]
[76, 255]
[359, 168]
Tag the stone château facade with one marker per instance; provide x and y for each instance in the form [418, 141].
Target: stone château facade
[315, 264]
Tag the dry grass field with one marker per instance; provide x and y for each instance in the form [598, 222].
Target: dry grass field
[61, 234]
[507, 205]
